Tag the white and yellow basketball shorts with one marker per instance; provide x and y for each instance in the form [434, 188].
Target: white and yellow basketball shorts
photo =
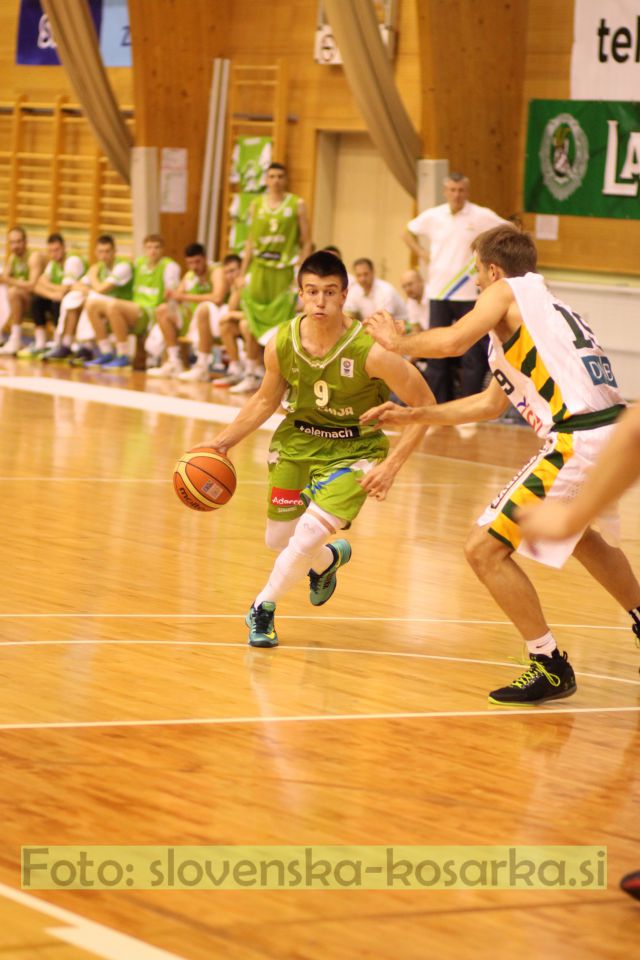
[557, 471]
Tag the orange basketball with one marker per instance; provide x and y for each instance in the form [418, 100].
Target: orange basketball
[204, 479]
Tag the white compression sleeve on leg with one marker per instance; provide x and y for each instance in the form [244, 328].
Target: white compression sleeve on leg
[298, 556]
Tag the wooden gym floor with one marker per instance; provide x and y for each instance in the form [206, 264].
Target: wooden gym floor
[132, 711]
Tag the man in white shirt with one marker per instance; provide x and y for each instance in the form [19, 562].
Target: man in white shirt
[368, 294]
[441, 237]
[415, 290]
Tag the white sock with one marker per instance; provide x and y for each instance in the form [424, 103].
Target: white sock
[323, 559]
[174, 354]
[305, 550]
[251, 366]
[104, 346]
[543, 645]
[16, 332]
[121, 349]
[40, 338]
[67, 340]
[235, 368]
[202, 360]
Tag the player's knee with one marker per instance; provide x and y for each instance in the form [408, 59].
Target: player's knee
[479, 550]
[313, 529]
[278, 534]
[15, 296]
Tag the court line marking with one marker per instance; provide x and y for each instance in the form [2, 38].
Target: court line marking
[132, 399]
[89, 935]
[310, 718]
[406, 654]
[315, 619]
[118, 396]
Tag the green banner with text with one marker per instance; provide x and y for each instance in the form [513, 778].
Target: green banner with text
[583, 158]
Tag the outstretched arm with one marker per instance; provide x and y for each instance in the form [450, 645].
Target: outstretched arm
[259, 408]
[479, 406]
[490, 308]
[618, 466]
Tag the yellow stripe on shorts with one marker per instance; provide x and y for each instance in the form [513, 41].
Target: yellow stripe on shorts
[534, 487]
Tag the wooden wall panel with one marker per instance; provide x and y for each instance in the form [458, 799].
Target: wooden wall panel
[472, 58]
[584, 243]
[173, 50]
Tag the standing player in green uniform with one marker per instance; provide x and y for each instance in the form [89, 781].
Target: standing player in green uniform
[153, 276]
[279, 238]
[325, 371]
[21, 271]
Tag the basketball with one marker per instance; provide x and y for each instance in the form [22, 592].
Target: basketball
[203, 479]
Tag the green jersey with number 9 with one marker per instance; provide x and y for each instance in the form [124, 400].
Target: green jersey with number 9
[326, 396]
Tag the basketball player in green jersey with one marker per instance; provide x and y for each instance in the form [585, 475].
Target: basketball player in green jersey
[22, 269]
[174, 317]
[218, 318]
[109, 276]
[60, 273]
[279, 238]
[153, 276]
[325, 371]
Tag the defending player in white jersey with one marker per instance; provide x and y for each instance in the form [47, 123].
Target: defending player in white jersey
[547, 362]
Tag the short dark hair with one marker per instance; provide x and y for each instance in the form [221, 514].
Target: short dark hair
[106, 238]
[456, 177]
[276, 166]
[324, 264]
[195, 250]
[366, 261]
[231, 258]
[20, 230]
[508, 248]
[154, 238]
[55, 238]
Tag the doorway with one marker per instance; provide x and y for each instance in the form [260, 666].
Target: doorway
[359, 205]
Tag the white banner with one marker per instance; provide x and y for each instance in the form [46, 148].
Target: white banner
[605, 60]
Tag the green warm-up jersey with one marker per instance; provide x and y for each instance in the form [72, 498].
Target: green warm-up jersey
[72, 269]
[149, 282]
[275, 232]
[325, 398]
[19, 267]
[120, 275]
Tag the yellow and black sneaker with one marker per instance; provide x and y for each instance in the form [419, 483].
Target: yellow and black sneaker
[262, 631]
[548, 678]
